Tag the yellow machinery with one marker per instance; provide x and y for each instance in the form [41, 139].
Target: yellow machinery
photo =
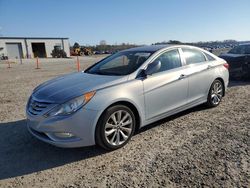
[81, 51]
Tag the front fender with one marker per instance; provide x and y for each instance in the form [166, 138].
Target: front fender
[131, 91]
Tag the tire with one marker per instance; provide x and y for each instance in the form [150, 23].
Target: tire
[115, 127]
[215, 94]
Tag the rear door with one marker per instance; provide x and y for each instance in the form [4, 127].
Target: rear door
[200, 74]
[166, 89]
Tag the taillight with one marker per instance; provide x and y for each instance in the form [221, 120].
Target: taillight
[226, 65]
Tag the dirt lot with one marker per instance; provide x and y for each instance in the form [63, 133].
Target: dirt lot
[197, 148]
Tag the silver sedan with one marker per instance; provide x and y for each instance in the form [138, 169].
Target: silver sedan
[109, 101]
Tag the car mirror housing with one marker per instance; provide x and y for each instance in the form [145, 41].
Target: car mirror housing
[153, 67]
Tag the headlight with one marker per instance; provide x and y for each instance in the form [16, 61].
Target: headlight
[71, 106]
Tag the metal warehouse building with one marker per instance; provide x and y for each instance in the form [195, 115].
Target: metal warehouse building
[30, 47]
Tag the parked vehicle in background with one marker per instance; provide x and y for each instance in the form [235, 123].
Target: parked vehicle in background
[113, 98]
[3, 57]
[238, 59]
[96, 52]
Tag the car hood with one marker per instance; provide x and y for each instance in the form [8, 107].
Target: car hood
[64, 88]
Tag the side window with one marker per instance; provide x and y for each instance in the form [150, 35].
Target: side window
[169, 60]
[209, 57]
[193, 56]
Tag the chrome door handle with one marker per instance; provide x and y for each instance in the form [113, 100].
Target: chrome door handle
[182, 76]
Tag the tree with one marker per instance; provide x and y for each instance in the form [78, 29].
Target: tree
[58, 53]
[174, 42]
[103, 43]
[76, 45]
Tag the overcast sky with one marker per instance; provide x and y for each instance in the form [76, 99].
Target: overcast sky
[132, 21]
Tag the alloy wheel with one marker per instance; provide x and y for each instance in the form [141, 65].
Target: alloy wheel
[217, 93]
[118, 127]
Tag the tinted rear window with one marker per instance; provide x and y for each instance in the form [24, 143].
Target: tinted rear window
[242, 49]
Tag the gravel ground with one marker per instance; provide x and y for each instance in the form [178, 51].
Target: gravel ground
[197, 148]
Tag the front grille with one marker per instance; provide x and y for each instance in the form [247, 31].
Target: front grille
[36, 107]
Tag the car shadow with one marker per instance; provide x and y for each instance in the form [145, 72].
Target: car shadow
[21, 153]
[175, 116]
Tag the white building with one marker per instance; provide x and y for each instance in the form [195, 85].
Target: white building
[30, 47]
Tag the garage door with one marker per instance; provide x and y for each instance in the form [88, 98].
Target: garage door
[14, 50]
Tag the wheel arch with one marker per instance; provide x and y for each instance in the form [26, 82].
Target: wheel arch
[130, 106]
[223, 83]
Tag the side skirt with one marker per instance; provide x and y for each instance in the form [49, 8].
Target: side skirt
[174, 111]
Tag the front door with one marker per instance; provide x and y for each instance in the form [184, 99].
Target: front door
[166, 89]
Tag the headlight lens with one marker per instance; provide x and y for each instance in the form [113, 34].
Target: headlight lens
[71, 106]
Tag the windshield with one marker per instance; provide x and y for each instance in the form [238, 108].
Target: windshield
[121, 63]
[242, 49]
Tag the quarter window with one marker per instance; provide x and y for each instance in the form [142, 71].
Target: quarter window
[193, 56]
[169, 60]
[209, 57]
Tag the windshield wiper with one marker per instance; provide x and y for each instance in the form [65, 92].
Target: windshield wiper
[104, 73]
[94, 72]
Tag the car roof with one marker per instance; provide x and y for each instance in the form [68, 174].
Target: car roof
[151, 48]
[244, 44]
[154, 48]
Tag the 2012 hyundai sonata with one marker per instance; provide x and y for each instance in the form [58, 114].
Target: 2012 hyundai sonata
[109, 101]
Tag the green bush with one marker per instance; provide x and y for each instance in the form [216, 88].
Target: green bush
[58, 53]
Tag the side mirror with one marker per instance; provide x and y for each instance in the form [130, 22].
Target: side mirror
[153, 67]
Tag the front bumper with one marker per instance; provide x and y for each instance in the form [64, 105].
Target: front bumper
[80, 124]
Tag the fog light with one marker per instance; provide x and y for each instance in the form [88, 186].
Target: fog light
[64, 135]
